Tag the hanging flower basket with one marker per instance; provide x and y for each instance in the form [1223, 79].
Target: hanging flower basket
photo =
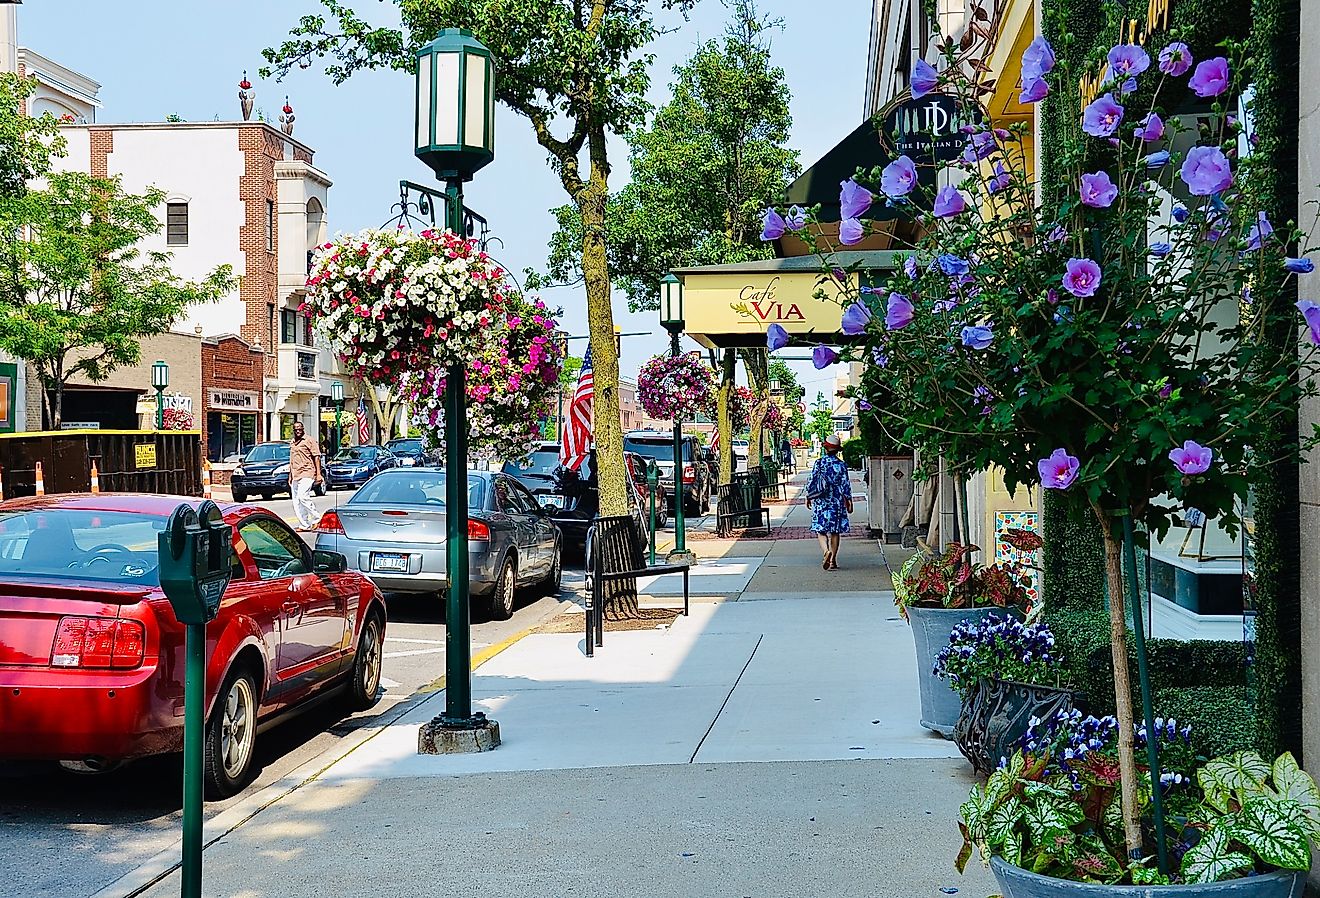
[670, 388]
[741, 401]
[511, 384]
[774, 416]
[396, 301]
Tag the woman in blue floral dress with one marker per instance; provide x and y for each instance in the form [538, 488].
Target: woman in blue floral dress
[829, 496]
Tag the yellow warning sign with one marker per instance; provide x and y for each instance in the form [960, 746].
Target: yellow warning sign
[145, 455]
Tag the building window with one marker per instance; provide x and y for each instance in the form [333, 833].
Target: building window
[270, 327]
[270, 226]
[176, 224]
[307, 366]
[288, 326]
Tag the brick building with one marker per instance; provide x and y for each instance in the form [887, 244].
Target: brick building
[233, 378]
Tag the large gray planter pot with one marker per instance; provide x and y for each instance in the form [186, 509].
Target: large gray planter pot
[940, 705]
[997, 714]
[1015, 882]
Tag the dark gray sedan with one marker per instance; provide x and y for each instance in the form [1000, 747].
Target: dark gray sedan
[394, 531]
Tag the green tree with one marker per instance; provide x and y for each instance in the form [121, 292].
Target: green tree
[27, 143]
[793, 392]
[568, 378]
[580, 66]
[820, 424]
[79, 294]
[710, 162]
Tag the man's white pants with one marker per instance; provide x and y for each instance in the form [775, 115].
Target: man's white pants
[303, 508]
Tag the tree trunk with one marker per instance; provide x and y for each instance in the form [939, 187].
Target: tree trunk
[1127, 762]
[607, 427]
[757, 364]
[53, 392]
[722, 422]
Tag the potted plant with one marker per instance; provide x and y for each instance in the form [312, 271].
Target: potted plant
[1134, 341]
[1005, 672]
[1050, 823]
[936, 593]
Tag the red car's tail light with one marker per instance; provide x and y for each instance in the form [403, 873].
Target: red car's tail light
[98, 642]
[478, 530]
[329, 523]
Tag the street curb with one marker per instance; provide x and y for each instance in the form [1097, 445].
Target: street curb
[163, 863]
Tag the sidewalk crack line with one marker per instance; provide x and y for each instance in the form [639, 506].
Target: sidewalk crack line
[725, 703]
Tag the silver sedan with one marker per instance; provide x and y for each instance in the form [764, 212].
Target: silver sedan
[394, 531]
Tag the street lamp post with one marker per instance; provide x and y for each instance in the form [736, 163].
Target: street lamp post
[337, 397]
[671, 319]
[160, 379]
[775, 389]
[455, 136]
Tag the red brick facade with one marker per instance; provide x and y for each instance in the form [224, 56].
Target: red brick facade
[102, 145]
[230, 363]
[260, 284]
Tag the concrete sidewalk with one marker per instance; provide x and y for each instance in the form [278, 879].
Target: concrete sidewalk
[766, 745]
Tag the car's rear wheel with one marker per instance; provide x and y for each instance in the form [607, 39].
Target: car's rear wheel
[502, 597]
[364, 688]
[555, 579]
[231, 736]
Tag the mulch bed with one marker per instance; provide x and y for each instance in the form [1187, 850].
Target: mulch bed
[650, 619]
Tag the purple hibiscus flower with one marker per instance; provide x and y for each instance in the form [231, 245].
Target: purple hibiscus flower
[1151, 128]
[1098, 190]
[1058, 471]
[1166, 391]
[1180, 213]
[774, 226]
[1056, 235]
[864, 405]
[910, 267]
[924, 79]
[1127, 61]
[822, 356]
[854, 199]
[855, 319]
[775, 337]
[1206, 170]
[1034, 89]
[948, 202]
[1210, 78]
[851, 231]
[1299, 266]
[1311, 314]
[977, 336]
[1083, 277]
[1102, 117]
[1038, 58]
[796, 218]
[899, 312]
[952, 265]
[1160, 249]
[1001, 179]
[1175, 59]
[981, 146]
[1192, 457]
[898, 177]
[1259, 233]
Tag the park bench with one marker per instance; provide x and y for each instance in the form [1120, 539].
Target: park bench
[775, 487]
[739, 506]
[618, 558]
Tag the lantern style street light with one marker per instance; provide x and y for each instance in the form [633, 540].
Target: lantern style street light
[160, 379]
[671, 319]
[337, 397]
[774, 385]
[455, 135]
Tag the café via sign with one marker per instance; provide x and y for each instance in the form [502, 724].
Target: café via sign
[761, 304]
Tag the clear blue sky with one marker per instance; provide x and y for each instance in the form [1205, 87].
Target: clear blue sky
[157, 57]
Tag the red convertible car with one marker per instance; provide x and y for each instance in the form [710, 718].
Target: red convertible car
[91, 656]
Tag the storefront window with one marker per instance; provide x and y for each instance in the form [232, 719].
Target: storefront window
[229, 435]
[287, 420]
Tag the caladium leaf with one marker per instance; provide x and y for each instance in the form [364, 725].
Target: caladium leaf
[1212, 859]
[1002, 822]
[1240, 776]
[1296, 785]
[1273, 833]
[1049, 816]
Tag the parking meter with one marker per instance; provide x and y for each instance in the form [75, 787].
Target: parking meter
[652, 487]
[195, 551]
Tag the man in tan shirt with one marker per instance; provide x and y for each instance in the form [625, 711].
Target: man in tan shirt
[304, 473]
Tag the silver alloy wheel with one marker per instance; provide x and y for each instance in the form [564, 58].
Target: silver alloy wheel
[238, 728]
[510, 580]
[371, 662]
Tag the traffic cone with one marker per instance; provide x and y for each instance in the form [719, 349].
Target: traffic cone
[96, 479]
[41, 481]
[2, 485]
[206, 480]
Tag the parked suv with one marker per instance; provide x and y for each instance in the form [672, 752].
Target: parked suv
[264, 471]
[656, 444]
[408, 450]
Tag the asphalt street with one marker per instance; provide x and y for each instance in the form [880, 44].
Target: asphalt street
[66, 834]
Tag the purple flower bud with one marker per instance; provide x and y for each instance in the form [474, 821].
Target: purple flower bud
[924, 79]
[776, 337]
[851, 231]
[854, 199]
[949, 202]
[774, 226]
[899, 312]
[822, 356]
[1151, 128]
[1299, 266]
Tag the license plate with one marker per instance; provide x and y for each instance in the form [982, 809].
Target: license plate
[391, 563]
[551, 501]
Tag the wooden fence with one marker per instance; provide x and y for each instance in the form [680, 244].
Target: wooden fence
[127, 461]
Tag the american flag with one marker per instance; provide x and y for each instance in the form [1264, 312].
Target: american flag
[575, 439]
[363, 422]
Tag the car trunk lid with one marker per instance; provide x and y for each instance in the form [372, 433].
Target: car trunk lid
[394, 523]
[30, 614]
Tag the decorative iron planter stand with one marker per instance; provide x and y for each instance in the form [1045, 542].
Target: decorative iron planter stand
[997, 714]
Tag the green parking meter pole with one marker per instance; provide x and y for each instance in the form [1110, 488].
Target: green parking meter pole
[652, 486]
[194, 550]
[458, 643]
